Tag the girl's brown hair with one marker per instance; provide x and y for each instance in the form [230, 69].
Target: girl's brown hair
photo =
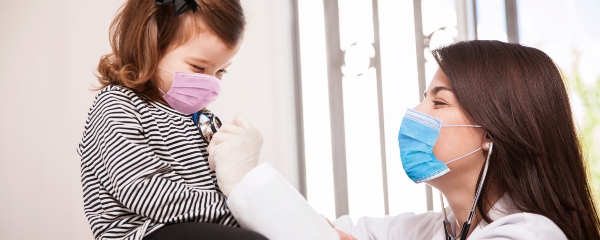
[142, 32]
[518, 95]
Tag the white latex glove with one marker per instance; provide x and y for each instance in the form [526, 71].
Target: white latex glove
[234, 151]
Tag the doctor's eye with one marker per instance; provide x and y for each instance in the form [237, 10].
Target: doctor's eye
[437, 103]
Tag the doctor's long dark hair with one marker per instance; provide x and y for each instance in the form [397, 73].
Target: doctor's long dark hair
[518, 95]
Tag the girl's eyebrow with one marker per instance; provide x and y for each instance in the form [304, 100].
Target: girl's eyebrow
[207, 62]
[202, 60]
[437, 89]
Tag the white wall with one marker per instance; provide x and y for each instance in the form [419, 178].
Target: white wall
[260, 83]
[49, 51]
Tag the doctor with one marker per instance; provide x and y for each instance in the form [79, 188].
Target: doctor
[494, 134]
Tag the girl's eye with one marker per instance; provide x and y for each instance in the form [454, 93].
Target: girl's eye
[199, 69]
[222, 71]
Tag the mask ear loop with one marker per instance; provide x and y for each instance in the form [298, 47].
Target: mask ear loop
[462, 125]
[166, 70]
[163, 92]
[463, 156]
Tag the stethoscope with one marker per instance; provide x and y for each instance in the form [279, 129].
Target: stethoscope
[467, 224]
[207, 123]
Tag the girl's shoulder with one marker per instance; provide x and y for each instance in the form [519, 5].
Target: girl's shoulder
[116, 102]
[112, 95]
[116, 91]
[134, 102]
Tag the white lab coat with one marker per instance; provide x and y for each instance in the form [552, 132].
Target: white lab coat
[265, 202]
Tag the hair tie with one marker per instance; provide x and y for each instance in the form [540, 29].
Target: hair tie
[179, 6]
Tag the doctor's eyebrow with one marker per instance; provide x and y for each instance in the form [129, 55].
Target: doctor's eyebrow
[435, 90]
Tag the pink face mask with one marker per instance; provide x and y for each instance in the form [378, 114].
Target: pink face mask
[191, 92]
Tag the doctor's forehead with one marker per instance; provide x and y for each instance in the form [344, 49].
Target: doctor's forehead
[439, 83]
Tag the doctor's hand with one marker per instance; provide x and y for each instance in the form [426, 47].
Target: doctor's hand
[234, 151]
[342, 234]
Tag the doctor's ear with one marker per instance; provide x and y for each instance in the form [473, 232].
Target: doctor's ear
[487, 145]
[487, 142]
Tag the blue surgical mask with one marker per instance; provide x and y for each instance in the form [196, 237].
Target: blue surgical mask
[418, 134]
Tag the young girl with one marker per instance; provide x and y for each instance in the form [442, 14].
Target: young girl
[143, 154]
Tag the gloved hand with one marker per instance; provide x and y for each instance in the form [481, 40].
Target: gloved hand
[233, 151]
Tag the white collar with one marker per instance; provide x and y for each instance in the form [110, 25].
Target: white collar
[503, 207]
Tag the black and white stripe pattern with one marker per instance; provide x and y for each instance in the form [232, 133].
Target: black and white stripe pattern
[144, 165]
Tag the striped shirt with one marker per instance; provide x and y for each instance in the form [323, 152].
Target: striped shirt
[144, 165]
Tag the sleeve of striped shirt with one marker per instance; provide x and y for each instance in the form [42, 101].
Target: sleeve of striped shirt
[134, 174]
